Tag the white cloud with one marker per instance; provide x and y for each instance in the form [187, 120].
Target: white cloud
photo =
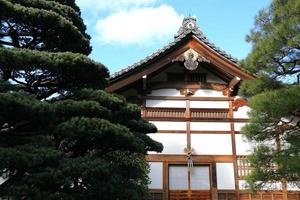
[140, 26]
[111, 5]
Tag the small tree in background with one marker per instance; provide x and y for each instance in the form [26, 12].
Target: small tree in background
[275, 104]
[61, 136]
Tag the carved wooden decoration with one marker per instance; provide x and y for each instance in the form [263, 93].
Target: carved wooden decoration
[191, 59]
[187, 92]
[240, 102]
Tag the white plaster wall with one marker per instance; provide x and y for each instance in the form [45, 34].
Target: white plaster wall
[165, 92]
[156, 175]
[173, 143]
[165, 103]
[211, 144]
[225, 176]
[242, 112]
[209, 104]
[208, 93]
[210, 126]
[243, 147]
[238, 126]
[166, 125]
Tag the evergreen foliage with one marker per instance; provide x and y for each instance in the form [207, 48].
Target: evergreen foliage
[275, 103]
[275, 128]
[61, 135]
[275, 39]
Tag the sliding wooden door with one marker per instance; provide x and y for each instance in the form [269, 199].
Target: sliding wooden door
[189, 185]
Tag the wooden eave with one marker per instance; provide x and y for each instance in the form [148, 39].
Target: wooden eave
[189, 41]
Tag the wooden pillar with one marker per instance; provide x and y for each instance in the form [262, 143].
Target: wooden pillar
[188, 140]
[232, 132]
[214, 189]
[165, 180]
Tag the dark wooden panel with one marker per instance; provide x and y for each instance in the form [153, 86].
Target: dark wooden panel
[192, 195]
[275, 195]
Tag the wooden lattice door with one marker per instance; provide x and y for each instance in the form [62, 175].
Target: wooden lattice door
[189, 185]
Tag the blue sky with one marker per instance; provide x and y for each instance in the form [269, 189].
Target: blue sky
[125, 31]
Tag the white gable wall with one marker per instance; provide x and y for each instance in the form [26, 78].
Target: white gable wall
[242, 112]
[165, 92]
[210, 126]
[166, 125]
[243, 147]
[166, 103]
[208, 93]
[209, 104]
[239, 125]
[174, 143]
[211, 144]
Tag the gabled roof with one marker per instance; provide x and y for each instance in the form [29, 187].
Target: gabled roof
[189, 26]
[189, 29]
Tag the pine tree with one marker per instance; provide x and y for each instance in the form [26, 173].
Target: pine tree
[275, 102]
[61, 135]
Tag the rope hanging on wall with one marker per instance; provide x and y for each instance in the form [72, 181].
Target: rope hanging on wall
[189, 152]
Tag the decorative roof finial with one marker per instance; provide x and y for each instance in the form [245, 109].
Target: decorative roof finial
[189, 24]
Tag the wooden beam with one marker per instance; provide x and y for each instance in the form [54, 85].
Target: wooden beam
[234, 81]
[192, 98]
[198, 159]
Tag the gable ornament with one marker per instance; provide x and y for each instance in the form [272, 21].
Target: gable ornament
[191, 59]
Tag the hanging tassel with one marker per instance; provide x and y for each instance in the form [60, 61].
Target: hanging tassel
[190, 164]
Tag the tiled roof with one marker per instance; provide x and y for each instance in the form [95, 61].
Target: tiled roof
[189, 26]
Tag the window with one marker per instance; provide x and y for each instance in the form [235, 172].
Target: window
[179, 178]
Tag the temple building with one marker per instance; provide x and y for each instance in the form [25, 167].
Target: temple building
[188, 89]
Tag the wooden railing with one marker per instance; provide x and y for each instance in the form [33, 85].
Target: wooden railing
[243, 166]
[182, 113]
[164, 113]
[222, 195]
[271, 195]
[214, 114]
